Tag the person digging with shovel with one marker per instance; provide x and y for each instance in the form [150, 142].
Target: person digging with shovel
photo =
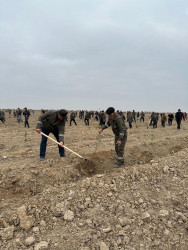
[120, 131]
[52, 122]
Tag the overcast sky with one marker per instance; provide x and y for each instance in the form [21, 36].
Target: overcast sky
[85, 54]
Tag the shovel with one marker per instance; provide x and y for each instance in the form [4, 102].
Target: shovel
[63, 146]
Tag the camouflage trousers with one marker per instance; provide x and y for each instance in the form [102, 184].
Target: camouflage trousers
[120, 149]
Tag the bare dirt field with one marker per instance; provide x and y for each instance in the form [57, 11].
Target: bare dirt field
[67, 204]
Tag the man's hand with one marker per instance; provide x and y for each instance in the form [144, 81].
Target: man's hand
[100, 130]
[118, 143]
[38, 130]
[61, 144]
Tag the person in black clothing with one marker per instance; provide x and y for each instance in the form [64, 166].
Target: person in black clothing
[102, 118]
[170, 119]
[87, 117]
[2, 116]
[26, 114]
[179, 117]
[154, 119]
[96, 115]
[142, 115]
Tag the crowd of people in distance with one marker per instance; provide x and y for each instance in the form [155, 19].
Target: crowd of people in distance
[53, 121]
[100, 116]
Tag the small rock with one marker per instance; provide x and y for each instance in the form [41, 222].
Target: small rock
[163, 213]
[26, 222]
[69, 215]
[166, 232]
[29, 241]
[41, 246]
[169, 224]
[22, 211]
[43, 223]
[140, 201]
[103, 246]
[35, 229]
[7, 233]
[89, 222]
[59, 210]
[107, 230]
[124, 221]
[165, 169]
[146, 216]
[110, 194]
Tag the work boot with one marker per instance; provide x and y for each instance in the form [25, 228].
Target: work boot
[118, 164]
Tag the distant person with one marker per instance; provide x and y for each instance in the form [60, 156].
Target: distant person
[2, 116]
[120, 131]
[81, 114]
[26, 114]
[170, 119]
[102, 118]
[163, 119]
[179, 117]
[122, 114]
[129, 119]
[19, 115]
[134, 115]
[86, 118]
[52, 122]
[96, 115]
[154, 119]
[137, 115]
[142, 116]
[72, 117]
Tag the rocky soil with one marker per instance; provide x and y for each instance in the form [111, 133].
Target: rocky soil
[68, 203]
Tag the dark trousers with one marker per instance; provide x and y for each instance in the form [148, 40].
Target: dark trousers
[163, 123]
[26, 123]
[86, 122]
[169, 122]
[130, 124]
[154, 124]
[101, 123]
[178, 123]
[120, 149]
[2, 119]
[43, 144]
[73, 121]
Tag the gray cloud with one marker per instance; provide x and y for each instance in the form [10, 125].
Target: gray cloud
[94, 54]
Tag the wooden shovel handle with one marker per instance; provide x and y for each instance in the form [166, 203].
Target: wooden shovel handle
[63, 145]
